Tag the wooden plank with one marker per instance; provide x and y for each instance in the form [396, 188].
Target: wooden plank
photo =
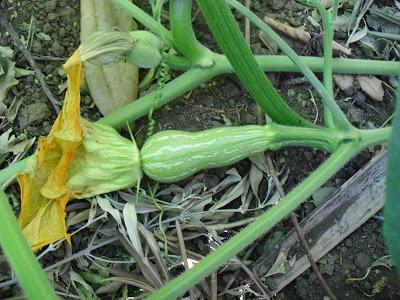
[353, 204]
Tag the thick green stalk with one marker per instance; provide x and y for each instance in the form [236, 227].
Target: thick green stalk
[142, 17]
[259, 227]
[21, 258]
[227, 33]
[392, 206]
[184, 37]
[372, 137]
[326, 139]
[328, 55]
[338, 115]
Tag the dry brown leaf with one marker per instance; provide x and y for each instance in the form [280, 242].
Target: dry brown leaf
[296, 34]
[280, 266]
[372, 86]
[301, 35]
[343, 81]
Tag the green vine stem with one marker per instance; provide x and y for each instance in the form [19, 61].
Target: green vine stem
[145, 19]
[22, 260]
[228, 35]
[272, 62]
[173, 89]
[391, 212]
[281, 63]
[339, 117]
[272, 216]
[328, 21]
[196, 76]
[259, 227]
[184, 37]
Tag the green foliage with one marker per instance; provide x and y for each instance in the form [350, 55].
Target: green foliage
[228, 35]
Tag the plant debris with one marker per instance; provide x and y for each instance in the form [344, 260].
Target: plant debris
[372, 86]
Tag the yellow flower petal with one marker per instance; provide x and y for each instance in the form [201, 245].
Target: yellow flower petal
[44, 193]
[78, 159]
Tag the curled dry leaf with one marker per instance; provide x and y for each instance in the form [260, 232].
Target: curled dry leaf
[372, 86]
[7, 76]
[256, 176]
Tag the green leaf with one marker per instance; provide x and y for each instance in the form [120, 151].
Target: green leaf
[227, 33]
[391, 228]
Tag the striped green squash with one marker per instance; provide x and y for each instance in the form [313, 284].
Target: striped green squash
[173, 155]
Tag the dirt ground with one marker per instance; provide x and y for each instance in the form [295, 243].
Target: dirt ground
[217, 103]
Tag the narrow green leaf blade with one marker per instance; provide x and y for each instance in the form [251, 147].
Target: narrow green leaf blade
[227, 33]
[391, 228]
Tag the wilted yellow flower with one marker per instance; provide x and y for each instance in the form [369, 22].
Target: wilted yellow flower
[78, 159]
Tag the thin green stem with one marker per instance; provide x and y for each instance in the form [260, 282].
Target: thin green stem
[175, 88]
[259, 227]
[178, 63]
[328, 21]
[338, 115]
[227, 33]
[184, 36]
[145, 19]
[372, 137]
[282, 63]
[21, 258]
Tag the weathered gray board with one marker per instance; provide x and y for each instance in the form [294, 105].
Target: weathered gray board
[353, 204]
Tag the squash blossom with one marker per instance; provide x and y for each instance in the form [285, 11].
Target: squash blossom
[78, 159]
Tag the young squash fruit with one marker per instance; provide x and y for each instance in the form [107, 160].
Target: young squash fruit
[173, 155]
